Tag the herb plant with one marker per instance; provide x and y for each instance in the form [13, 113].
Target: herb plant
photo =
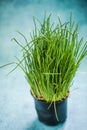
[50, 60]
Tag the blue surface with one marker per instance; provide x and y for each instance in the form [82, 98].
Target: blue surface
[17, 110]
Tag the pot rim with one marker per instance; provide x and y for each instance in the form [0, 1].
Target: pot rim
[44, 101]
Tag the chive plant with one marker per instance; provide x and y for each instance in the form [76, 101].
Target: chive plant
[50, 60]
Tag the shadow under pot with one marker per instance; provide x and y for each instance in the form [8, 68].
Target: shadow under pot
[46, 111]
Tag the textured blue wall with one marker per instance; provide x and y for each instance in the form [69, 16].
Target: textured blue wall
[17, 110]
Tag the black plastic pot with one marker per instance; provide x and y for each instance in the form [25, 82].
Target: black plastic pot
[47, 116]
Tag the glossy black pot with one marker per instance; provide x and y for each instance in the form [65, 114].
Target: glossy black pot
[47, 116]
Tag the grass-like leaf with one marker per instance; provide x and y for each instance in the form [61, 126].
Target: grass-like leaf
[50, 60]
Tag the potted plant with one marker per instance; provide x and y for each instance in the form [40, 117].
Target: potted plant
[50, 61]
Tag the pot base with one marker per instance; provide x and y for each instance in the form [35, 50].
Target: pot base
[51, 123]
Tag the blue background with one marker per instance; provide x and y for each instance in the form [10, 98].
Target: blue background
[17, 110]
